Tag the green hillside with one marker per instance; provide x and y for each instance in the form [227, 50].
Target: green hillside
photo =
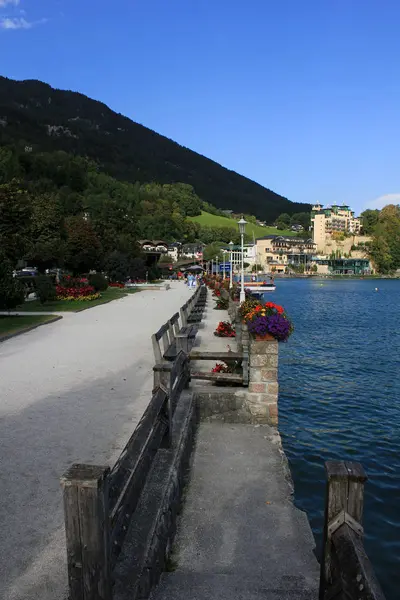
[35, 115]
[209, 220]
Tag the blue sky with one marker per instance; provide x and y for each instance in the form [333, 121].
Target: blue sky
[302, 96]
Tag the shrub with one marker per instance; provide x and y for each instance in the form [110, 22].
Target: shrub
[28, 284]
[11, 291]
[98, 281]
[45, 289]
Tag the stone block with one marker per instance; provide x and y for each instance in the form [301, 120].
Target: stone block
[273, 360]
[268, 374]
[255, 375]
[264, 360]
[259, 360]
[263, 347]
[273, 388]
[258, 388]
[273, 414]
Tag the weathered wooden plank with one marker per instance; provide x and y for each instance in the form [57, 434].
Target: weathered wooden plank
[358, 579]
[344, 505]
[156, 348]
[135, 446]
[218, 377]
[355, 501]
[129, 475]
[215, 355]
[74, 544]
[180, 375]
[335, 502]
[87, 532]
[161, 331]
[124, 509]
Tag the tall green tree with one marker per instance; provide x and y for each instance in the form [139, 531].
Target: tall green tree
[15, 226]
[384, 248]
[370, 220]
[83, 249]
[47, 231]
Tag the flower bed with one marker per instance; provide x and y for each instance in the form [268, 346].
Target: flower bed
[116, 285]
[268, 318]
[90, 297]
[225, 329]
[83, 291]
[221, 304]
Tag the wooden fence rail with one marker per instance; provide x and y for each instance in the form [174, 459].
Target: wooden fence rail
[99, 503]
[346, 571]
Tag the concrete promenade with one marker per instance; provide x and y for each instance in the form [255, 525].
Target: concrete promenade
[71, 391]
[240, 535]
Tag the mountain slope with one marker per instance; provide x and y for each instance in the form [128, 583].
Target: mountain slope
[35, 114]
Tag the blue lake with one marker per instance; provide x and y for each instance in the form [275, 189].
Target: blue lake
[340, 399]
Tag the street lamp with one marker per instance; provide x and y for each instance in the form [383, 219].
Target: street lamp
[230, 265]
[242, 228]
[223, 266]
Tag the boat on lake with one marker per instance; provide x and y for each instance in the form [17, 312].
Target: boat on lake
[259, 287]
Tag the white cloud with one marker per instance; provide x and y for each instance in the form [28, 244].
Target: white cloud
[19, 23]
[15, 23]
[384, 201]
[4, 3]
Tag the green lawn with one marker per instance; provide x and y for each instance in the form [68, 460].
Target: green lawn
[73, 306]
[13, 324]
[209, 220]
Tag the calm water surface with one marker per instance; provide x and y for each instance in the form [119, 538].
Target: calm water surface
[340, 399]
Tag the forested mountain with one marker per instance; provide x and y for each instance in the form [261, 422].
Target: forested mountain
[34, 114]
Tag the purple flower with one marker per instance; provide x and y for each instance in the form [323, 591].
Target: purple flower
[275, 324]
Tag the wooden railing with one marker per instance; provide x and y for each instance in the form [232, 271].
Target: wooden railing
[346, 571]
[99, 503]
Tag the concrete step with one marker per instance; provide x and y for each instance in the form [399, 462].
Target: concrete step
[183, 586]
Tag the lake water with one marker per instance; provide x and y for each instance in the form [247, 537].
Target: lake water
[340, 399]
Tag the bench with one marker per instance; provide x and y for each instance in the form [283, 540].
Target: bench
[172, 338]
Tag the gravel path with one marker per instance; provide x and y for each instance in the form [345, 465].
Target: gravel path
[71, 391]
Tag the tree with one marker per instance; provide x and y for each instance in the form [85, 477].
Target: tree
[117, 266]
[47, 231]
[303, 219]
[369, 219]
[283, 221]
[11, 291]
[213, 251]
[83, 249]
[385, 246]
[15, 214]
[256, 268]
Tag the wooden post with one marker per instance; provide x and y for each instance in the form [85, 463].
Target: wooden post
[85, 491]
[182, 343]
[343, 503]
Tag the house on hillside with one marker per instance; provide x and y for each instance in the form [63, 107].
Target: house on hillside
[278, 253]
[175, 250]
[194, 251]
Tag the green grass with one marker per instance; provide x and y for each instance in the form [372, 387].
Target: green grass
[12, 324]
[73, 306]
[209, 220]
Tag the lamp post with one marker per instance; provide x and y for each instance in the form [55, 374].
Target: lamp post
[223, 265]
[231, 265]
[242, 228]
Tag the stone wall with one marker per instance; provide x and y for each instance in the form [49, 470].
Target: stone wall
[262, 396]
[256, 404]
